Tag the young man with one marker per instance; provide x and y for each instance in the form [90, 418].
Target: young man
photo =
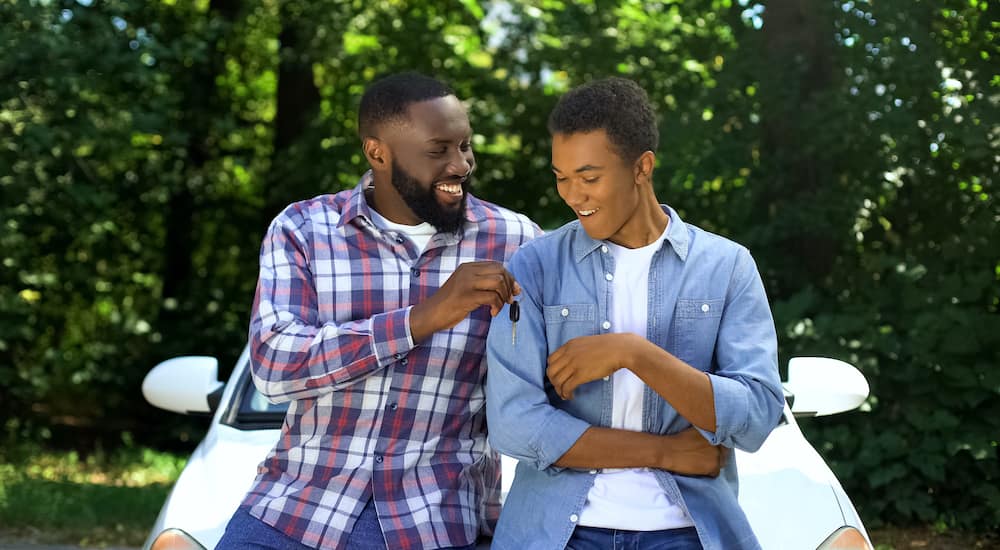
[370, 317]
[632, 322]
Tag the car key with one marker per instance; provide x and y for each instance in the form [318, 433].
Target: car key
[515, 314]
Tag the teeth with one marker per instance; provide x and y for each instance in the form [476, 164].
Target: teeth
[587, 212]
[452, 189]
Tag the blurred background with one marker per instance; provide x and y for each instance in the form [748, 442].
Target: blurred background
[851, 145]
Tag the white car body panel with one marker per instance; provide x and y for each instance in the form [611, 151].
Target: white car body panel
[791, 497]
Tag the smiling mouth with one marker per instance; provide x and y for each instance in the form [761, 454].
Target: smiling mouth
[454, 188]
[585, 213]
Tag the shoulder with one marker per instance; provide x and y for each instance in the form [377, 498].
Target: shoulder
[307, 216]
[715, 253]
[553, 247]
[704, 242]
[495, 218]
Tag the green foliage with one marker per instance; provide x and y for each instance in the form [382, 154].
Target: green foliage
[852, 146]
[97, 499]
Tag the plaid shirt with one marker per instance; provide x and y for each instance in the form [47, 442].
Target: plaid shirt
[371, 414]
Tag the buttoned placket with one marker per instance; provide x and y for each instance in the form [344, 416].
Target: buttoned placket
[605, 262]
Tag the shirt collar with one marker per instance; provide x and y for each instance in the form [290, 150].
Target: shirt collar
[677, 236]
[357, 205]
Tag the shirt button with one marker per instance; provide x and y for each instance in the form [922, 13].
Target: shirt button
[415, 272]
[704, 308]
[609, 276]
[573, 518]
[564, 312]
[402, 361]
[399, 239]
[378, 458]
[398, 356]
[606, 325]
[604, 248]
[393, 407]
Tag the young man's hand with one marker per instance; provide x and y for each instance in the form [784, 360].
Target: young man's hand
[588, 358]
[689, 453]
[472, 285]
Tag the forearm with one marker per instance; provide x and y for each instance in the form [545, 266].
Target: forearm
[612, 448]
[684, 453]
[292, 359]
[687, 389]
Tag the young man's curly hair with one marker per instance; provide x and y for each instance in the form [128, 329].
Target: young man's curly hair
[616, 105]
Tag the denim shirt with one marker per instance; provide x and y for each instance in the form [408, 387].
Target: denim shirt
[706, 306]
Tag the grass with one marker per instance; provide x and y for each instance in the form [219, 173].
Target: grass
[97, 500]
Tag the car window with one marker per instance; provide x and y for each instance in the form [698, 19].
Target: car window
[254, 401]
[250, 410]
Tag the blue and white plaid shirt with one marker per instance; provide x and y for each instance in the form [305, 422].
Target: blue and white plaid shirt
[372, 415]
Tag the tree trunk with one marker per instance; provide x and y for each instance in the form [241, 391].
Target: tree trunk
[798, 41]
[298, 103]
[202, 98]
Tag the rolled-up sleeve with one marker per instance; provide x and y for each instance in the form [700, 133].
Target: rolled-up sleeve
[747, 388]
[522, 422]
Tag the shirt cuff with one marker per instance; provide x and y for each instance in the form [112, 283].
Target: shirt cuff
[560, 432]
[731, 410]
[391, 336]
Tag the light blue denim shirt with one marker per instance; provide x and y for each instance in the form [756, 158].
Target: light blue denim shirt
[706, 306]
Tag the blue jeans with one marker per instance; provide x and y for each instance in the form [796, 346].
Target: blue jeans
[596, 538]
[247, 532]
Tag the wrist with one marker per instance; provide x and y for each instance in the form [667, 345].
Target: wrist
[633, 358]
[422, 321]
[663, 454]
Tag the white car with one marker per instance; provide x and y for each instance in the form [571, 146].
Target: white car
[793, 500]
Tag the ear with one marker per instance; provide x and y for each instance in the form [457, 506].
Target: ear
[643, 168]
[376, 153]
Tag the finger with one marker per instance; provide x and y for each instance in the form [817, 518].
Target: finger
[512, 289]
[555, 376]
[559, 381]
[570, 385]
[560, 353]
[510, 285]
[490, 299]
[495, 282]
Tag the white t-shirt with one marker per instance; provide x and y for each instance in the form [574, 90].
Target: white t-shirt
[420, 234]
[630, 498]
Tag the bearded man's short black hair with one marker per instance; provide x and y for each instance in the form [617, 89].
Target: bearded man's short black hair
[616, 105]
[386, 100]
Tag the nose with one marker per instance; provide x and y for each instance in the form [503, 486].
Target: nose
[572, 194]
[461, 163]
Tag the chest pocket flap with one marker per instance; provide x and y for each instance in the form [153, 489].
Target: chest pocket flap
[569, 312]
[698, 309]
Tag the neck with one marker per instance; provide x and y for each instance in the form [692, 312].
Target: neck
[385, 200]
[646, 225]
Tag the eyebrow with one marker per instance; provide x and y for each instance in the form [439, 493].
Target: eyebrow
[584, 168]
[446, 141]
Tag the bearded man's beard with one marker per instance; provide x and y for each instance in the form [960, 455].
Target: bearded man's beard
[424, 203]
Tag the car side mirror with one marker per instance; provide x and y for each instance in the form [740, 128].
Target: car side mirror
[821, 386]
[186, 385]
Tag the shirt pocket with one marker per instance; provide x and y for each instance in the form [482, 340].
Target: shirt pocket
[696, 327]
[567, 321]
